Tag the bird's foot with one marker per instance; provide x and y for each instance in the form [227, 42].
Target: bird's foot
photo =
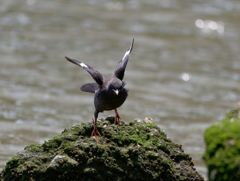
[95, 131]
[117, 117]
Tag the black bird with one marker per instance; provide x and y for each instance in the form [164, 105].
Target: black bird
[109, 93]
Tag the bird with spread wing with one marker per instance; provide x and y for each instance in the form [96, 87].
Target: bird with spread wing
[110, 93]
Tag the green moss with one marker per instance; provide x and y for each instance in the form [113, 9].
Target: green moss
[1, 176]
[223, 148]
[53, 143]
[135, 151]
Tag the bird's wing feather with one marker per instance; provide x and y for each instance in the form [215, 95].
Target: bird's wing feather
[120, 69]
[90, 87]
[97, 76]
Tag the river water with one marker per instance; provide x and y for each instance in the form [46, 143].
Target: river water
[183, 71]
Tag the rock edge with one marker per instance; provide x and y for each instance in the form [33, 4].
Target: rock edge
[137, 151]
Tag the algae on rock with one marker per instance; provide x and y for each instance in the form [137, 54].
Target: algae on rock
[138, 151]
[223, 148]
[1, 177]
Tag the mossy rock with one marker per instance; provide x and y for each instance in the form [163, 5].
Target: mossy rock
[136, 151]
[223, 148]
[1, 177]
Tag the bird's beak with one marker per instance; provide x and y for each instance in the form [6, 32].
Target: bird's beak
[116, 91]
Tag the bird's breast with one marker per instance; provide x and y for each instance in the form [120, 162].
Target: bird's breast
[106, 100]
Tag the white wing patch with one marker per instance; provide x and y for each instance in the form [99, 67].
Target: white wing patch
[83, 65]
[127, 53]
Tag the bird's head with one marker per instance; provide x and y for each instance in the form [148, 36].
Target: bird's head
[115, 85]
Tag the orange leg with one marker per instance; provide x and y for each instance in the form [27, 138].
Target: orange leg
[117, 117]
[95, 131]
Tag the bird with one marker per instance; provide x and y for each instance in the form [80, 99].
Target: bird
[110, 93]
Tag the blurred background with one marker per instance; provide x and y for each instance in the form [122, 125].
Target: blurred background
[183, 71]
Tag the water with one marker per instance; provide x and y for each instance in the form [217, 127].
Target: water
[183, 71]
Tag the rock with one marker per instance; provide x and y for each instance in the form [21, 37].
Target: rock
[61, 161]
[148, 120]
[137, 151]
[223, 148]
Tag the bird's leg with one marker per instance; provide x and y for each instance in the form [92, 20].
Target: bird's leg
[117, 117]
[95, 131]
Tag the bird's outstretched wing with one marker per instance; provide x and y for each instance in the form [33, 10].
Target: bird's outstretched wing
[97, 76]
[120, 69]
[90, 87]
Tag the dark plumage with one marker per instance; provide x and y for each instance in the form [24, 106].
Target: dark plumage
[109, 93]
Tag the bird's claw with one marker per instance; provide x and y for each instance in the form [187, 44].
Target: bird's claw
[95, 131]
[117, 117]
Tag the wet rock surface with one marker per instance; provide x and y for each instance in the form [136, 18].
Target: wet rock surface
[136, 151]
[223, 148]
